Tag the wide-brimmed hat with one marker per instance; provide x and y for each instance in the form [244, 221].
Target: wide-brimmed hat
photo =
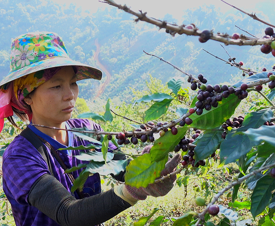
[37, 51]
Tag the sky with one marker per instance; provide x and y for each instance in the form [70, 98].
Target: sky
[159, 8]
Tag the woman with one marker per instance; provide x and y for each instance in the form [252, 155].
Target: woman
[41, 88]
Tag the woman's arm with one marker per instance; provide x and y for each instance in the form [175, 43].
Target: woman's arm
[50, 197]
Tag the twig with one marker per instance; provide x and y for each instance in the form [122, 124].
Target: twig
[169, 175]
[249, 14]
[190, 76]
[180, 29]
[264, 96]
[239, 181]
[246, 32]
[232, 64]
[126, 118]
[225, 51]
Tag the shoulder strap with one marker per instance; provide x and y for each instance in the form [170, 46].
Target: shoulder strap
[38, 144]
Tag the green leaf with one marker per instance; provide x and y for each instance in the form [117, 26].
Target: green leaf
[271, 95]
[157, 110]
[104, 149]
[143, 220]
[174, 85]
[265, 150]
[79, 166]
[209, 223]
[80, 181]
[166, 144]
[113, 166]
[272, 203]
[81, 147]
[263, 134]
[158, 221]
[181, 111]
[157, 97]
[115, 142]
[185, 219]
[95, 156]
[88, 137]
[234, 146]
[143, 171]
[252, 78]
[241, 205]
[224, 222]
[236, 189]
[207, 144]
[92, 116]
[216, 116]
[108, 115]
[256, 119]
[261, 195]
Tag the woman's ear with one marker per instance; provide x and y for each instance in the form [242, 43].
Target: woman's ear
[28, 100]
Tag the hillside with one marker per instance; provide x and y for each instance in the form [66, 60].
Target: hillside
[121, 42]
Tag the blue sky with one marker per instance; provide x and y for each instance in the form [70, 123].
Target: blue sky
[158, 8]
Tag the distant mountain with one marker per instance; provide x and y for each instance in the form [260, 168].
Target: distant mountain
[121, 42]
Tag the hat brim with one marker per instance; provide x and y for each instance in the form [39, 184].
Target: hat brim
[84, 71]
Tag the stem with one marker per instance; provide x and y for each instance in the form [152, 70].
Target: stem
[251, 15]
[239, 181]
[180, 29]
[246, 31]
[126, 118]
[169, 175]
[264, 96]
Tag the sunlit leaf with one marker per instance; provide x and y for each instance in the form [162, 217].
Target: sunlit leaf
[157, 97]
[95, 156]
[80, 181]
[158, 221]
[174, 85]
[216, 116]
[105, 145]
[92, 116]
[241, 205]
[166, 144]
[181, 111]
[143, 171]
[157, 110]
[261, 195]
[185, 219]
[143, 220]
[113, 166]
[108, 115]
[252, 78]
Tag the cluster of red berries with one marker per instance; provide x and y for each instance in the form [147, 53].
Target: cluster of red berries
[235, 123]
[208, 96]
[269, 48]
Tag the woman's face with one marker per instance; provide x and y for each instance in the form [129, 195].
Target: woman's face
[53, 102]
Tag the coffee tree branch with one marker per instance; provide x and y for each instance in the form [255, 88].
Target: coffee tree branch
[239, 181]
[191, 30]
[250, 14]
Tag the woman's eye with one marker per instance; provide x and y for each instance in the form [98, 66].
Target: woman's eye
[74, 83]
[56, 87]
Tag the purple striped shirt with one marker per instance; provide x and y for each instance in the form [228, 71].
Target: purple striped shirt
[23, 165]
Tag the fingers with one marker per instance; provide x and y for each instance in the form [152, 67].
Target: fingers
[146, 149]
[171, 165]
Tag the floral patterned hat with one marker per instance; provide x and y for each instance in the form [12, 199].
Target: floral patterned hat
[37, 51]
